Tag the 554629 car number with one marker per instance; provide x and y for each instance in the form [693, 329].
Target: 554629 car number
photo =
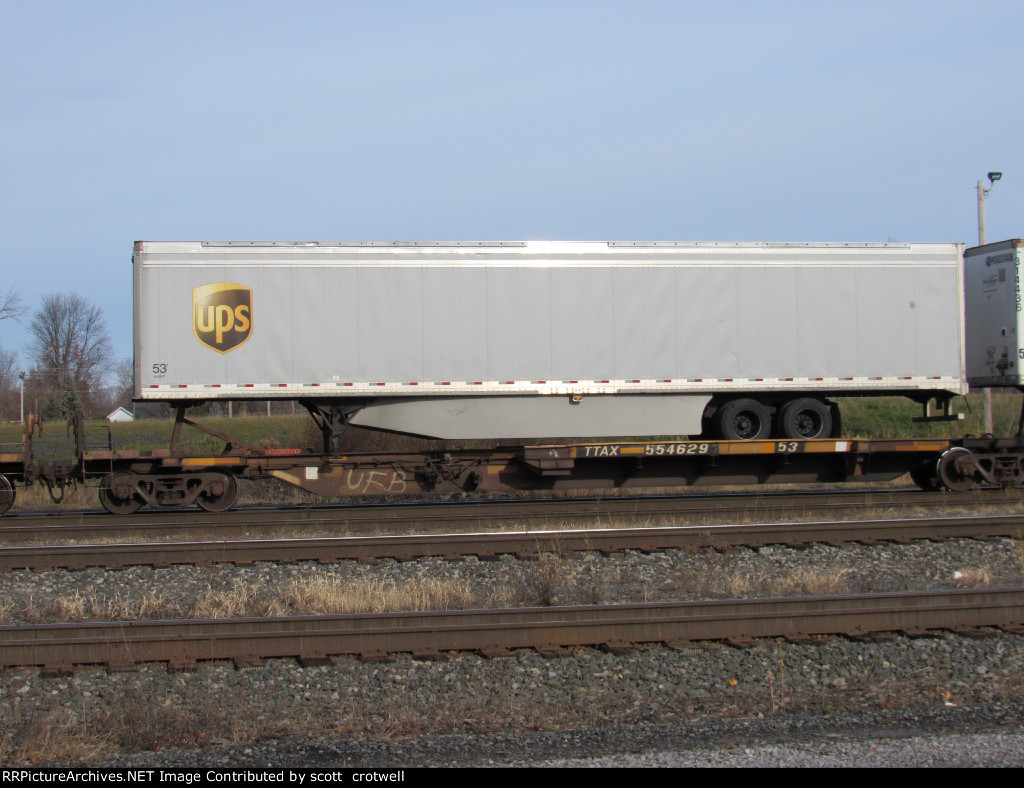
[657, 449]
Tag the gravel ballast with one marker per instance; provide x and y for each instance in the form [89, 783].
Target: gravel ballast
[570, 579]
[907, 701]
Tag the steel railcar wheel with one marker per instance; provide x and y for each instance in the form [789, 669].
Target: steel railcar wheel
[7, 494]
[118, 494]
[956, 469]
[219, 495]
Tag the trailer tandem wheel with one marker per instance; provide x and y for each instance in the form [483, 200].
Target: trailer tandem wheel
[804, 419]
[742, 420]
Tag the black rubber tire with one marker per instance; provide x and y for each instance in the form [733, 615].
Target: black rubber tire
[804, 418]
[837, 420]
[743, 420]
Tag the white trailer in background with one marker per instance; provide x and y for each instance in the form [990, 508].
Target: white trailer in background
[995, 320]
[552, 339]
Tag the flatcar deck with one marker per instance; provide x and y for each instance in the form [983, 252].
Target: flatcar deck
[151, 477]
[161, 478]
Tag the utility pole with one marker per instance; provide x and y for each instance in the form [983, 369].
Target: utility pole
[988, 426]
[982, 191]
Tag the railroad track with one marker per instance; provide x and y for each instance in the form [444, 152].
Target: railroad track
[492, 543]
[478, 515]
[551, 630]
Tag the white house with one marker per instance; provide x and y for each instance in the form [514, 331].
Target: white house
[121, 414]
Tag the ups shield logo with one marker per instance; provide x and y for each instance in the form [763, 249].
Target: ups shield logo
[222, 315]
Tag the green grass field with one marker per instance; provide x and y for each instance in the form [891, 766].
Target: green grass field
[867, 417]
[266, 432]
[892, 417]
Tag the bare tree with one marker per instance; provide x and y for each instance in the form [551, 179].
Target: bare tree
[9, 386]
[69, 342]
[11, 306]
[124, 381]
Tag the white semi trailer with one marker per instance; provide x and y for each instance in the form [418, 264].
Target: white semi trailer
[995, 314]
[553, 339]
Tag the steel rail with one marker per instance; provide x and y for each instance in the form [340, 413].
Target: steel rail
[90, 526]
[183, 643]
[521, 543]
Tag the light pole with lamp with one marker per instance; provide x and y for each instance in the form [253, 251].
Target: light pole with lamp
[987, 427]
[982, 191]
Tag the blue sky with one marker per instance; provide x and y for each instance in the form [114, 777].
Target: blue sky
[572, 120]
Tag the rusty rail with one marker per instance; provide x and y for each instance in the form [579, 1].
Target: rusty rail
[448, 515]
[522, 543]
[247, 640]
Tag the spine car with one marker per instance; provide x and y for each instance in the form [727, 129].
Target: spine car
[552, 339]
[741, 348]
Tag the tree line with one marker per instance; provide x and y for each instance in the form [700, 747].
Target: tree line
[70, 367]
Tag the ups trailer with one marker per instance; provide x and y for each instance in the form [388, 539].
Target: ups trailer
[520, 340]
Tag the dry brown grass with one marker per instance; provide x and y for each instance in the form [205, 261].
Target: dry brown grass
[811, 582]
[546, 578]
[129, 722]
[242, 598]
[551, 577]
[716, 583]
[740, 585]
[321, 595]
[329, 595]
[79, 607]
[48, 739]
[36, 497]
